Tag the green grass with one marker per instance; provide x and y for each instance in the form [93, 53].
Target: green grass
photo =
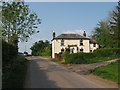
[14, 73]
[110, 72]
[100, 59]
[55, 60]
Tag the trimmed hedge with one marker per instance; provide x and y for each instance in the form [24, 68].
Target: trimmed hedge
[96, 56]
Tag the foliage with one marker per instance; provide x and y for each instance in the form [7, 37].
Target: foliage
[13, 74]
[98, 55]
[104, 52]
[18, 22]
[108, 32]
[8, 52]
[67, 50]
[55, 60]
[110, 71]
[102, 33]
[13, 67]
[41, 48]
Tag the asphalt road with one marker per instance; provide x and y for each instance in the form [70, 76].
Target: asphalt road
[43, 73]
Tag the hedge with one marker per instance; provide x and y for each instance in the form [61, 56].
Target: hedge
[8, 52]
[96, 56]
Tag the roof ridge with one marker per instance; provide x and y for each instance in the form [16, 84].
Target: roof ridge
[70, 36]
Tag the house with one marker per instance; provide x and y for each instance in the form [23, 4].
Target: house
[75, 42]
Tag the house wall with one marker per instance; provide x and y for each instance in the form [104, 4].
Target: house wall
[93, 48]
[56, 46]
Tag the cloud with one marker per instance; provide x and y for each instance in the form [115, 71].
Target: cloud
[74, 32]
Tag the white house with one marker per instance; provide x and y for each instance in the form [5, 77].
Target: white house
[75, 42]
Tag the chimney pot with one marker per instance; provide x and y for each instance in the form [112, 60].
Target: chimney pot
[84, 34]
[53, 34]
[93, 37]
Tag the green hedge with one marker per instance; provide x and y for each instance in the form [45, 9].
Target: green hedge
[96, 56]
[13, 74]
[104, 52]
[8, 52]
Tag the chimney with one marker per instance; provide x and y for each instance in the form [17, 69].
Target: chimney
[53, 34]
[84, 34]
[93, 37]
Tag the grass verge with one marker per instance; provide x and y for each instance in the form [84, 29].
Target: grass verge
[58, 61]
[14, 73]
[100, 59]
[110, 72]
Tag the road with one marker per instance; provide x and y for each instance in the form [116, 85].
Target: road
[43, 73]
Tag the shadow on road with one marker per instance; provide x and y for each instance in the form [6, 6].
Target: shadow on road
[37, 78]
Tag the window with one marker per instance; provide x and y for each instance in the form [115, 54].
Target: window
[81, 50]
[90, 50]
[62, 50]
[62, 42]
[94, 44]
[81, 42]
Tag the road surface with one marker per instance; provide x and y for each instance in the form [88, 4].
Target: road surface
[43, 73]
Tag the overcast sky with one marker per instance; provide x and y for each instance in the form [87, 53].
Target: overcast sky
[66, 17]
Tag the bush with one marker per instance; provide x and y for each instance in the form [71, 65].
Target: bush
[74, 58]
[96, 56]
[104, 52]
[8, 52]
[13, 74]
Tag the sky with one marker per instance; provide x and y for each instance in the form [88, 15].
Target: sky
[66, 17]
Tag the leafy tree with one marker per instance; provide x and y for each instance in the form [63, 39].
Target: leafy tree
[102, 33]
[115, 25]
[18, 23]
[41, 48]
[108, 32]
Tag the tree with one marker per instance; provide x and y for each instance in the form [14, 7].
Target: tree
[41, 48]
[102, 33]
[115, 25]
[108, 32]
[18, 23]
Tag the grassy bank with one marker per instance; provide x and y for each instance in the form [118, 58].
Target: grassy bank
[110, 72]
[14, 73]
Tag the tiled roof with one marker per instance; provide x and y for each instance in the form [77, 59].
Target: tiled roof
[74, 36]
[70, 36]
[93, 41]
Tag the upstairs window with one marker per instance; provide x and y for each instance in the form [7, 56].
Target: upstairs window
[62, 42]
[94, 44]
[81, 42]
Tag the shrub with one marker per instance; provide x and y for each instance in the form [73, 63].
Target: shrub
[13, 74]
[96, 56]
[74, 58]
[8, 52]
[104, 52]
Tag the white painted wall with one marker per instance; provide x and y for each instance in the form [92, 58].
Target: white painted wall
[56, 46]
[93, 48]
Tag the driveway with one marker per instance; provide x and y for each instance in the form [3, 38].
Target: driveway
[43, 73]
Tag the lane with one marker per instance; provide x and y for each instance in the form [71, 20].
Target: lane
[43, 73]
